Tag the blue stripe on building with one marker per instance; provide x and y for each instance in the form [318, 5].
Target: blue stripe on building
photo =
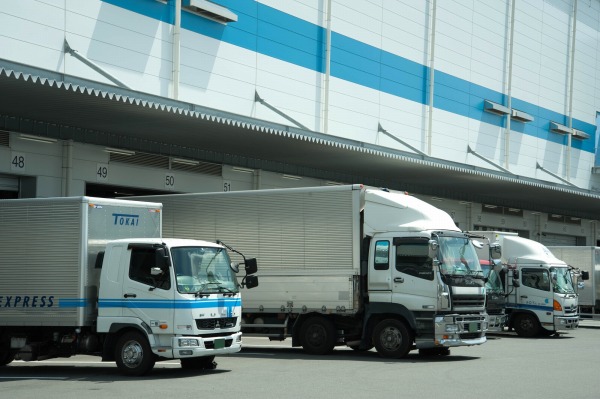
[290, 39]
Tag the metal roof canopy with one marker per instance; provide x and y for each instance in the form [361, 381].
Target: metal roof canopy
[51, 104]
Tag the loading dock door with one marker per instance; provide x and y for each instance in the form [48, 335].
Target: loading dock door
[9, 187]
[558, 240]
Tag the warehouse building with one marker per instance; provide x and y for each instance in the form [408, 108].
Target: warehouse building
[486, 109]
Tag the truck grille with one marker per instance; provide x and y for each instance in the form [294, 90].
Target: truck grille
[212, 324]
[470, 326]
[571, 311]
[468, 301]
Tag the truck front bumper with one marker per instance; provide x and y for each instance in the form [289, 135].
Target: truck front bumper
[562, 323]
[196, 346]
[460, 330]
[497, 322]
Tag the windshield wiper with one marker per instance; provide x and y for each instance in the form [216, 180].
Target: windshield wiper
[220, 287]
[219, 250]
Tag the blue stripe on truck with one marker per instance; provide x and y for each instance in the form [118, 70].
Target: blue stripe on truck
[169, 304]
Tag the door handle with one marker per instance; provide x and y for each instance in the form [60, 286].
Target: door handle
[523, 296]
[129, 295]
[398, 279]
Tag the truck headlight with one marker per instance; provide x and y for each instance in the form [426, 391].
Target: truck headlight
[451, 328]
[188, 342]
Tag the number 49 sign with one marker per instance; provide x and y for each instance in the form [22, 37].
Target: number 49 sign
[101, 172]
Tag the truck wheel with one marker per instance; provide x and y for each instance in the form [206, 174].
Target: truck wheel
[526, 325]
[199, 363]
[392, 339]
[317, 336]
[133, 354]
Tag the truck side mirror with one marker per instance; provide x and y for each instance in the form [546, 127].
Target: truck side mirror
[251, 266]
[162, 260]
[515, 280]
[235, 267]
[495, 251]
[585, 275]
[250, 282]
[477, 244]
[433, 249]
[497, 265]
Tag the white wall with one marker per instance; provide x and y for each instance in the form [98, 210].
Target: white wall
[471, 44]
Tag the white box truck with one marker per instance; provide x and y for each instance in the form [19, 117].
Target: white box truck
[345, 265]
[586, 270]
[540, 296]
[83, 275]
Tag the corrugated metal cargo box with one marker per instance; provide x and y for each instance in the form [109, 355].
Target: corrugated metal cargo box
[306, 240]
[48, 271]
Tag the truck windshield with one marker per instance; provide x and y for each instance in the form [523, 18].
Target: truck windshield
[458, 256]
[203, 270]
[494, 283]
[561, 280]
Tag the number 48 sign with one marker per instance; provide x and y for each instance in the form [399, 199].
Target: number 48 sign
[17, 161]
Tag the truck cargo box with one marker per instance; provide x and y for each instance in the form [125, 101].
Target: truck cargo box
[50, 251]
[586, 259]
[306, 240]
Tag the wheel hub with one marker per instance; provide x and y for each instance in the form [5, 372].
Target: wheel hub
[132, 354]
[391, 338]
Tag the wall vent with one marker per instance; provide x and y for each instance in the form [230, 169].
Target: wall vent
[4, 138]
[161, 161]
[149, 160]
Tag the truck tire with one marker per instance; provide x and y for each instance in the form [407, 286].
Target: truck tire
[526, 325]
[392, 339]
[133, 354]
[317, 335]
[199, 363]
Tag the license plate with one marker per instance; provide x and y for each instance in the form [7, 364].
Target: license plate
[472, 327]
[219, 343]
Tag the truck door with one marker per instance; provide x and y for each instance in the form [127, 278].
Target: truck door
[146, 295]
[412, 274]
[535, 293]
[380, 280]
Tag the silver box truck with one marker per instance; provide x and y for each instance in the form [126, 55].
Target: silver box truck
[345, 265]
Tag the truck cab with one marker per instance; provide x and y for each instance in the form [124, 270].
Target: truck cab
[435, 277]
[545, 301]
[182, 295]
[539, 291]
